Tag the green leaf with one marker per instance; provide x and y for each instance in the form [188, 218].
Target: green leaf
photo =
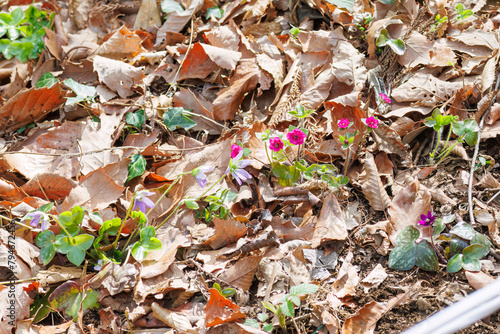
[215, 11]
[474, 251]
[286, 175]
[74, 247]
[397, 45]
[455, 263]
[175, 118]
[387, 2]
[67, 298]
[383, 38]
[169, 6]
[40, 307]
[90, 301]
[482, 240]
[262, 316]
[287, 308]
[46, 207]
[468, 129]
[407, 235]
[251, 322]
[190, 203]
[46, 80]
[303, 289]
[111, 226]
[136, 167]
[471, 264]
[71, 220]
[268, 328]
[463, 230]
[45, 240]
[136, 119]
[403, 257]
[456, 246]
[438, 227]
[83, 92]
[270, 307]
[425, 257]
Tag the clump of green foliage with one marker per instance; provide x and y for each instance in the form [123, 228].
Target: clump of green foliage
[23, 32]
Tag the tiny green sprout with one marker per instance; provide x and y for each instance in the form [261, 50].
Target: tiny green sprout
[440, 19]
[224, 293]
[301, 112]
[463, 14]
[294, 32]
[214, 11]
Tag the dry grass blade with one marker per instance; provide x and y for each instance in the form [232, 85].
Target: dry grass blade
[372, 186]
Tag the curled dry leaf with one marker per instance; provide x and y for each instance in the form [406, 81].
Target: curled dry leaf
[479, 279]
[172, 319]
[372, 186]
[347, 279]
[241, 274]
[226, 232]
[117, 75]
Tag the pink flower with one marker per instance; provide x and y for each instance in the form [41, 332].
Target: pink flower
[372, 122]
[142, 201]
[385, 98]
[343, 123]
[296, 137]
[199, 174]
[235, 150]
[427, 220]
[275, 144]
[38, 218]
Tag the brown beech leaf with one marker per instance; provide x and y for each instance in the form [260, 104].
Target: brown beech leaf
[220, 310]
[29, 105]
[347, 279]
[479, 279]
[241, 274]
[226, 232]
[95, 193]
[331, 224]
[365, 320]
[372, 186]
[389, 141]
[148, 15]
[117, 75]
[406, 208]
[17, 299]
[245, 79]
[197, 64]
[49, 186]
[10, 191]
[176, 21]
[122, 44]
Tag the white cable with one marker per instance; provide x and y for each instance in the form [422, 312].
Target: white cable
[461, 314]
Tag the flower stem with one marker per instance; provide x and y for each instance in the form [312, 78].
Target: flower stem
[347, 160]
[181, 202]
[61, 226]
[437, 146]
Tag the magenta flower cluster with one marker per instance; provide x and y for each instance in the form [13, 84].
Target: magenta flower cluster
[296, 136]
[343, 123]
[427, 220]
[385, 98]
[372, 122]
[276, 144]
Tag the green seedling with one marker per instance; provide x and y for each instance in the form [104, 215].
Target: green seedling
[463, 14]
[397, 45]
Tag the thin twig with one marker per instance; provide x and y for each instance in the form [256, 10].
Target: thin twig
[476, 151]
[97, 151]
[174, 82]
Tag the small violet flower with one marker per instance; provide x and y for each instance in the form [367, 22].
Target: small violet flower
[343, 123]
[385, 98]
[142, 201]
[236, 166]
[235, 150]
[427, 220]
[99, 265]
[199, 174]
[276, 144]
[38, 217]
[372, 122]
[296, 137]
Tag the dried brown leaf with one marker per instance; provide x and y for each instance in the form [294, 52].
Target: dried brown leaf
[175, 320]
[331, 224]
[226, 232]
[241, 274]
[372, 186]
[29, 105]
[117, 75]
[478, 280]
[389, 141]
[49, 186]
[122, 44]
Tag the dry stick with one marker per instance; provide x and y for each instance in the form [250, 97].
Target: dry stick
[476, 151]
[96, 151]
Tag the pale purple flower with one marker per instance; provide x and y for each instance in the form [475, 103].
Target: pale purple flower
[275, 144]
[38, 217]
[236, 166]
[296, 136]
[427, 220]
[372, 122]
[142, 201]
[343, 123]
[235, 150]
[385, 98]
[199, 174]
[99, 265]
